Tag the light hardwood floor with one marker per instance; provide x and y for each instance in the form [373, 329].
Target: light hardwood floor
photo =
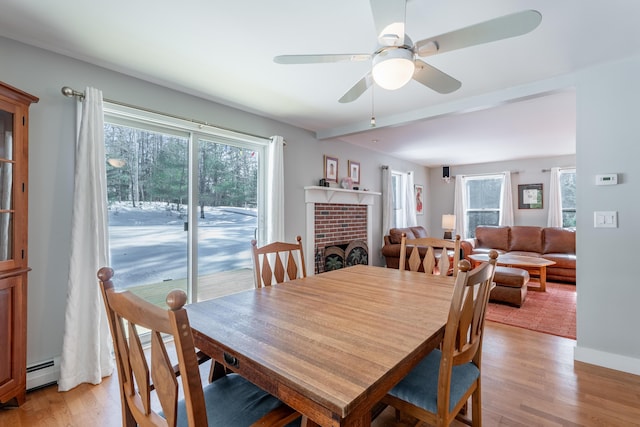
[528, 379]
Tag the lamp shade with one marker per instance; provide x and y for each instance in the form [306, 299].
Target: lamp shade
[448, 222]
[393, 68]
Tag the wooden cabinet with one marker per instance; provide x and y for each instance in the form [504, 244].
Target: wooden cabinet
[14, 150]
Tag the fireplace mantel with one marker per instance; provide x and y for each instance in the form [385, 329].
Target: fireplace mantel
[332, 195]
[316, 194]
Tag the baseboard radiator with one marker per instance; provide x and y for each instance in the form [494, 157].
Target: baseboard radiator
[43, 374]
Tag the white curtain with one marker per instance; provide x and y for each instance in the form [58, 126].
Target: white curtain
[506, 201]
[387, 201]
[410, 197]
[555, 199]
[86, 349]
[275, 191]
[460, 206]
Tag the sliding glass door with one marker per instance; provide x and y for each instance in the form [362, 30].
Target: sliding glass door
[227, 216]
[183, 208]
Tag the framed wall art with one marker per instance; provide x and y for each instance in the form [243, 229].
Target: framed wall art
[354, 171]
[419, 190]
[530, 196]
[330, 169]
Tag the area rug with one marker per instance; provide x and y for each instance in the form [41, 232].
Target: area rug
[552, 312]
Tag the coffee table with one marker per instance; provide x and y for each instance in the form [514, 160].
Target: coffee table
[532, 264]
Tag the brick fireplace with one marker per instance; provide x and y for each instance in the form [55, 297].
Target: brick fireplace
[335, 217]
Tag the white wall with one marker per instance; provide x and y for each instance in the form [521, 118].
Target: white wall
[608, 141]
[529, 171]
[51, 162]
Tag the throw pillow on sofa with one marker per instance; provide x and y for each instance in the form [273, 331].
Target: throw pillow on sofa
[395, 234]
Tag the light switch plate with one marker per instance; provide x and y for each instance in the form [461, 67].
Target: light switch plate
[605, 219]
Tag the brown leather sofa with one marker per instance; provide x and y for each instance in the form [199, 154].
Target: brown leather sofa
[554, 244]
[391, 248]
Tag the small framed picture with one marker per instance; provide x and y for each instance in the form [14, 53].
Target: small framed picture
[419, 189]
[530, 196]
[354, 171]
[330, 169]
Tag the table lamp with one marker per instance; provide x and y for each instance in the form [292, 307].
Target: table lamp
[448, 225]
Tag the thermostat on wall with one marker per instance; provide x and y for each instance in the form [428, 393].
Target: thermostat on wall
[607, 179]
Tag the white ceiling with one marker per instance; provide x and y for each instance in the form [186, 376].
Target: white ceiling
[516, 99]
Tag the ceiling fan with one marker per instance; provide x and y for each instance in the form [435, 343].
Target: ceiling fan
[395, 61]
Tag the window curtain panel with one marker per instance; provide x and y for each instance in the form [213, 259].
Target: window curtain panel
[410, 197]
[554, 218]
[460, 206]
[275, 191]
[506, 201]
[387, 201]
[86, 350]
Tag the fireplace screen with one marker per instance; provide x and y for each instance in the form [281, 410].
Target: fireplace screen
[340, 256]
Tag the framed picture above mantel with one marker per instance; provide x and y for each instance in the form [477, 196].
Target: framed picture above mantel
[354, 171]
[530, 196]
[330, 169]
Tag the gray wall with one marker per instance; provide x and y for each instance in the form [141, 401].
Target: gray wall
[607, 133]
[608, 141]
[529, 171]
[51, 163]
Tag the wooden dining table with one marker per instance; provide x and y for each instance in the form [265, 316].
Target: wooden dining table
[329, 345]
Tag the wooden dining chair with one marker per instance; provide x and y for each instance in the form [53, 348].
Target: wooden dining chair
[438, 388]
[278, 262]
[228, 401]
[424, 254]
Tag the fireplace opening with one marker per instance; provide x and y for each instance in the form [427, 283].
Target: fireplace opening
[345, 255]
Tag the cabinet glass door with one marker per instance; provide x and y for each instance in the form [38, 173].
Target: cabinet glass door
[6, 184]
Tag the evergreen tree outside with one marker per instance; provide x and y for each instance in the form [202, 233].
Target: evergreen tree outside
[568, 195]
[152, 167]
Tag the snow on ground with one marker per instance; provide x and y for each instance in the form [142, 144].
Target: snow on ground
[148, 243]
[159, 213]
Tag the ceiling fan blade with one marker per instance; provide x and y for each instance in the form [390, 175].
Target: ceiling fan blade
[435, 79]
[316, 59]
[389, 18]
[500, 28]
[358, 89]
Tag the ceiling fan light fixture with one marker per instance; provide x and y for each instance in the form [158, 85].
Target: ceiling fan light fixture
[390, 36]
[393, 68]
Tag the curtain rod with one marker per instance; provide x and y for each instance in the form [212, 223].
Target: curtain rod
[562, 169]
[71, 93]
[484, 174]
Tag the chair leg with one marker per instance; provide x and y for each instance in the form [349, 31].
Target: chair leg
[476, 408]
[465, 408]
[463, 414]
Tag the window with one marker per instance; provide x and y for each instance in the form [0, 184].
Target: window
[483, 194]
[568, 195]
[398, 200]
[402, 206]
